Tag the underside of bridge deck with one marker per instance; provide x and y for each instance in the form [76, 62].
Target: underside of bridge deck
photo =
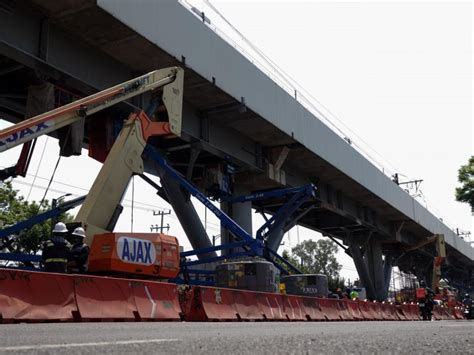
[80, 48]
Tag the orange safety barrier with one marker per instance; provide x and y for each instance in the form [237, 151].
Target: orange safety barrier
[287, 308]
[389, 312]
[450, 313]
[36, 296]
[415, 311]
[298, 311]
[246, 305]
[353, 308]
[400, 313]
[444, 313]
[377, 311]
[344, 312]
[156, 300]
[218, 303]
[366, 310]
[271, 306]
[438, 313]
[312, 310]
[104, 298]
[330, 308]
[458, 313]
[407, 312]
[392, 309]
[412, 311]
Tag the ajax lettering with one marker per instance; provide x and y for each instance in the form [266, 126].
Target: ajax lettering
[136, 251]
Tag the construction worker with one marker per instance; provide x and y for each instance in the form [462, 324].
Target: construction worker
[56, 250]
[467, 301]
[79, 254]
[354, 295]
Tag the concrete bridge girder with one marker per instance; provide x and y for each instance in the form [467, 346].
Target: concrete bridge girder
[45, 46]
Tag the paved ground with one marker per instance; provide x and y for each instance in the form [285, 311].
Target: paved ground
[447, 337]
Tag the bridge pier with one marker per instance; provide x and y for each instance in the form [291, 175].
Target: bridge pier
[240, 213]
[186, 213]
[374, 270]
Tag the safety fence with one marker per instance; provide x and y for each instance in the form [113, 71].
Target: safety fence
[218, 304]
[48, 297]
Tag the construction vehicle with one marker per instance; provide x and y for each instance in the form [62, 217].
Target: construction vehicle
[150, 254]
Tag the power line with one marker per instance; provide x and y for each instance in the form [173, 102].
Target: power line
[290, 81]
[38, 167]
[213, 226]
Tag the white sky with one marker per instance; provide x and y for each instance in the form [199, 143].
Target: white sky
[399, 74]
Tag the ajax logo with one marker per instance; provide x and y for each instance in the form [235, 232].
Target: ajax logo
[136, 251]
[23, 133]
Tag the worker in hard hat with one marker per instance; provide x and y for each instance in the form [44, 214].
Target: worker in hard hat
[79, 254]
[56, 250]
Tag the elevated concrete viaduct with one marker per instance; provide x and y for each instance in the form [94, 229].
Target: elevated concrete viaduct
[234, 115]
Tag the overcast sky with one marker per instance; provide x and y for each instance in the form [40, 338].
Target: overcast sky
[398, 74]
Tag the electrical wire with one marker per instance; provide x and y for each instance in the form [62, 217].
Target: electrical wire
[290, 81]
[38, 167]
[50, 181]
[133, 198]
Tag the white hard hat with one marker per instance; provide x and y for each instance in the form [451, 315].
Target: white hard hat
[79, 231]
[60, 227]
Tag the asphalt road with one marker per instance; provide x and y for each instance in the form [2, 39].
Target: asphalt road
[447, 337]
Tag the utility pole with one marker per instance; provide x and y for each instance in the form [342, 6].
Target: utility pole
[160, 228]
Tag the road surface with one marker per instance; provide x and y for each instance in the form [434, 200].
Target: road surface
[446, 337]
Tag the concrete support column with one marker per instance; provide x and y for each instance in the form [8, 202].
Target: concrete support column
[387, 271]
[187, 215]
[362, 270]
[374, 261]
[241, 213]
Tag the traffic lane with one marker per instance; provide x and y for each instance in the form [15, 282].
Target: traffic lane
[246, 337]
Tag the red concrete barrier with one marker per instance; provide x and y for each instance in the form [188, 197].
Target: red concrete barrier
[271, 306]
[366, 310]
[246, 305]
[400, 313]
[412, 311]
[392, 310]
[444, 313]
[407, 311]
[458, 313]
[218, 303]
[437, 314]
[156, 300]
[298, 311]
[36, 296]
[377, 311]
[353, 307]
[389, 312]
[330, 308]
[287, 308]
[105, 298]
[344, 312]
[452, 316]
[312, 310]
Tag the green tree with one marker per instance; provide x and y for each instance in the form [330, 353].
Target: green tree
[293, 260]
[318, 257]
[13, 209]
[465, 193]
